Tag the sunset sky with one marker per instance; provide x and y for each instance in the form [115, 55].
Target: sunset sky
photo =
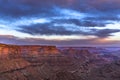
[60, 22]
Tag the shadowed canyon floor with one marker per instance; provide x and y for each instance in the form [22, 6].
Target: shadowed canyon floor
[34, 62]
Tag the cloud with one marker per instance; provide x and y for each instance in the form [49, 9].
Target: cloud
[49, 29]
[9, 39]
[59, 17]
[105, 32]
[82, 13]
[46, 29]
[82, 23]
[21, 8]
[26, 8]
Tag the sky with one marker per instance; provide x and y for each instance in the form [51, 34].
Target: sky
[60, 22]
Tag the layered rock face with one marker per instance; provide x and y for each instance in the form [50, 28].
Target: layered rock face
[39, 50]
[9, 51]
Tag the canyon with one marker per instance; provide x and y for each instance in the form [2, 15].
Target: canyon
[35, 62]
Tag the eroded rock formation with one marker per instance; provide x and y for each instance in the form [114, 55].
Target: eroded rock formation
[50, 63]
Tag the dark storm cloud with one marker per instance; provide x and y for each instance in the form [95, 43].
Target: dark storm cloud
[32, 7]
[101, 11]
[48, 29]
[13, 8]
[99, 5]
[23, 8]
[84, 22]
[105, 32]
[103, 18]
